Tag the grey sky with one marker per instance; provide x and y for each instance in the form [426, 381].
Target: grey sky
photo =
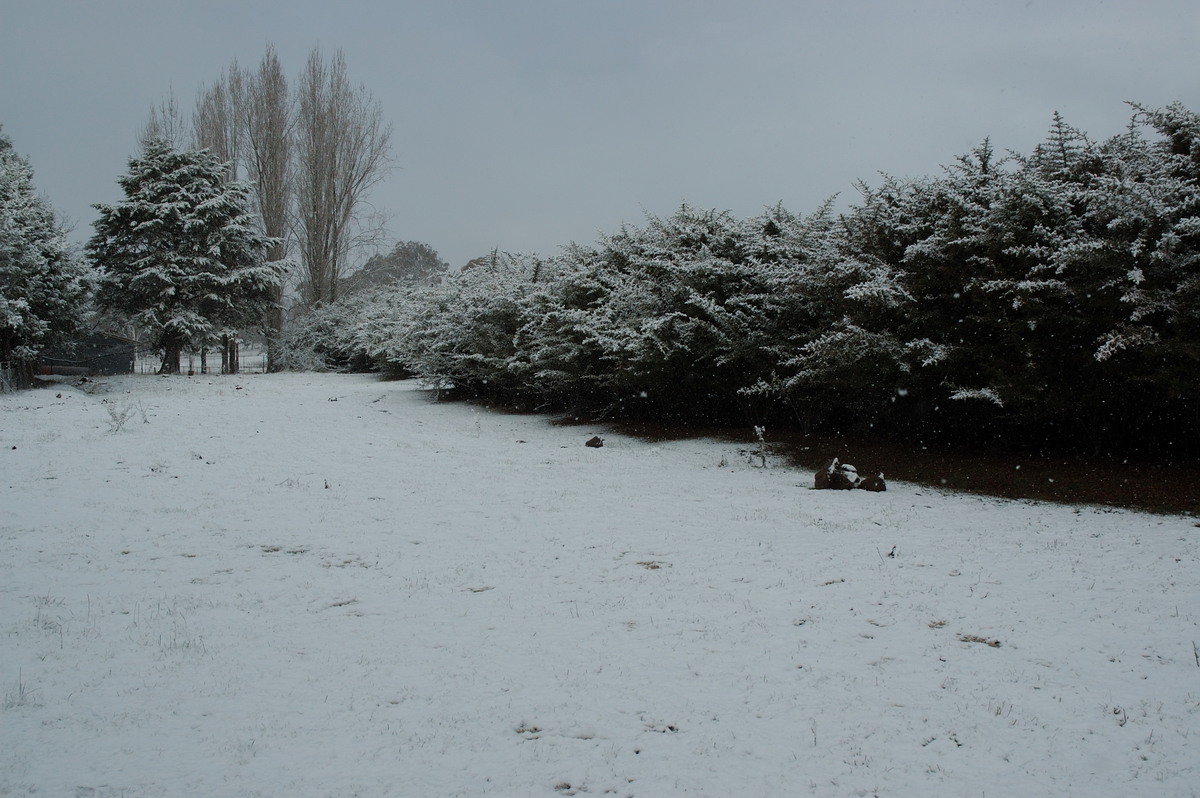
[527, 124]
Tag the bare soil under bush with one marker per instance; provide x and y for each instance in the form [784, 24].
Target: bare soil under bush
[1159, 487]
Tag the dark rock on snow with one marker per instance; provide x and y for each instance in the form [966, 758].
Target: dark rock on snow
[821, 479]
[836, 475]
[595, 442]
[844, 478]
[874, 483]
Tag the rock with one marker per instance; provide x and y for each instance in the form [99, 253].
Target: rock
[836, 475]
[824, 473]
[875, 483]
[595, 442]
[844, 477]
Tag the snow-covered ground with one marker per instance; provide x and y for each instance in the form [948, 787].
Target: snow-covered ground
[323, 585]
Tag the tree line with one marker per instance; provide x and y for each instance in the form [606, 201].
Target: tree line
[309, 152]
[219, 206]
[1047, 298]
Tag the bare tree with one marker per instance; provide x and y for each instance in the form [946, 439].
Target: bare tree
[245, 119]
[217, 127]
[342, 150]
[217, 119]
[267, 122]
[164, 123]
[311, 155]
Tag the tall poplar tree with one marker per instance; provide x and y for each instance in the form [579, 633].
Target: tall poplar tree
[342, 147]
[267, 116]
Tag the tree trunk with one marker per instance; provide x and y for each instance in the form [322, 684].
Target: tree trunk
[172, 352]
[267, 117]
[274, 330]
[23, 373]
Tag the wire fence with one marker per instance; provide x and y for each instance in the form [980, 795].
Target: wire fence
[252, 362]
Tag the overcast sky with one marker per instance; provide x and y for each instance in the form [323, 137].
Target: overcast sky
[525, 125]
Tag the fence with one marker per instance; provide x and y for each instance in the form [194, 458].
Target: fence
[90, 354]
[249, 362]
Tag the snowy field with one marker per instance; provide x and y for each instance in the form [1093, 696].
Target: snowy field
[323, 585]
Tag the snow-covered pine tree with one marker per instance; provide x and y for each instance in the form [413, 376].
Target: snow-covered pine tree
[181, 256]
[43, 285]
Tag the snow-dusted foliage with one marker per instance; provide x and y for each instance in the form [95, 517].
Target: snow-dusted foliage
[1054, 295]
[340, 336]
[463, 332]
[181, 256]
[675, 317]
[43, 285]
[670, 313]
[1059, 288]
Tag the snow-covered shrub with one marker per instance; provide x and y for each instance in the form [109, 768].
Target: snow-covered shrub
[680, 315]
[1051, 294]
[1059, 288]
[335, 336]
[462, 332]
[674, 317]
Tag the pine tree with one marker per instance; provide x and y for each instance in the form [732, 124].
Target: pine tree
[43, 285]
[181, 256]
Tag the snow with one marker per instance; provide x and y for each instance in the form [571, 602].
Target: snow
[329, 585]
